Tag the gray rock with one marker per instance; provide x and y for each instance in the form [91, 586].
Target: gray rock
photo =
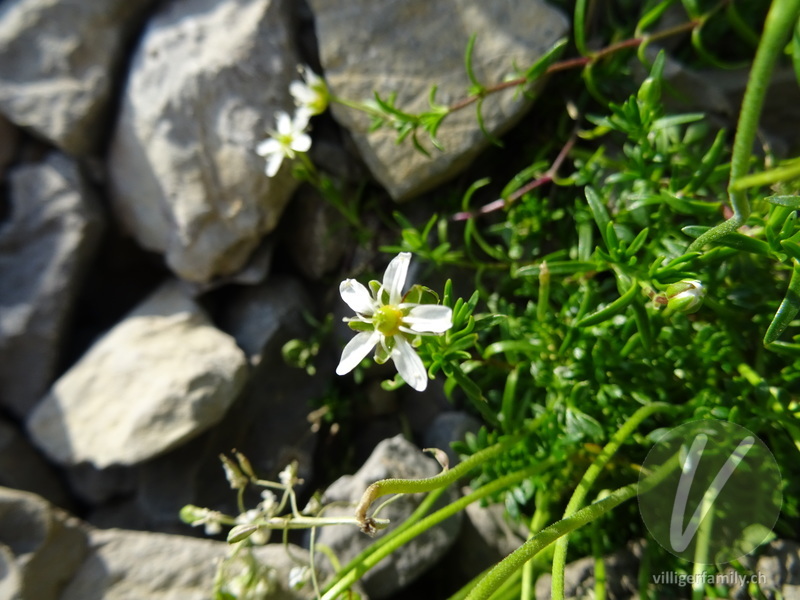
[256, 315]
[9, 144]
[131, 565]
[205, 83]
[97, 486]
[47, 545]
[45, 248]
[22, 468]
[399, 47]
[10, 579]
[485, 538]
[449, 427]
[268, 423]
[622, 568]
[777, 568]
[394, 457]
[160, 377]
[317, 234]
[60, 62]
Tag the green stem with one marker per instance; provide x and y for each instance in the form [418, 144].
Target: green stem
[418, 514]
[701, 550]
[414, 486]
[780, 21]
[588, 480]
[430, 521]
[514, 561]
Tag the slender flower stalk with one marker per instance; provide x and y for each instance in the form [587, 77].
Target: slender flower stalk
[390, 325]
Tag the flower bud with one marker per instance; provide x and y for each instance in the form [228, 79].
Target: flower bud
[685, 296]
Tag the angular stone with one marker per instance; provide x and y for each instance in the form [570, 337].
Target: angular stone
[124, 565]
[394, 457]
[317, 234]
[622, 570]
[9, 144]
[47, 545]
[408, 47]
[254, 316]
[10, 579]
[206, 81]
[45, 248]
[60, 62]
[160, 377]
[22, 468]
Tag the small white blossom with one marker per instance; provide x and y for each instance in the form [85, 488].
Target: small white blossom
[393, 322]
[298, 576]
[288, 476]
[268, 503]
[209, 518]
[311, 95]
[286, 141]
[250, 516]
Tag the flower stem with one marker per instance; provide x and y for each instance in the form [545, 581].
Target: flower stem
[434, 519]
[514, 561]
[413, 486]
[780, 21]
[588, 480]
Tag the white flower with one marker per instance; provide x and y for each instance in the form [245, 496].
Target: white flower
[288, 138]
[298, 576]
[288, 476]
[311, 96]
[268, 503]
[392, 321]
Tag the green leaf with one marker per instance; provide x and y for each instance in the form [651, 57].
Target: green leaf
[637, 242]
[796, 50]
[615, 308]
[540, 67]
[788, 309]
[468, 65]
[599, 212]
[558, 267]
[579, 24]
[580, 425]
[482, 124]
[734, 240]
[792, 202]
[510, 404]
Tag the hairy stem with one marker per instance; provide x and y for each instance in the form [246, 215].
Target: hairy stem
[780, 21]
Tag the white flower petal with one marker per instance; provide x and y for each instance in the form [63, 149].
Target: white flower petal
[301, 119]
[356, 350]
[429, 318]
[301, 93]
[395, 276]
[409, 365]
[268, 146]
[357, 297]
[283, 123]
[273, 164]
[301, 143]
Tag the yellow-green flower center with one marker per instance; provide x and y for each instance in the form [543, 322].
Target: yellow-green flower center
[387, 320]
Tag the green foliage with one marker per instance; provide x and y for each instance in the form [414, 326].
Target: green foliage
[633, 274]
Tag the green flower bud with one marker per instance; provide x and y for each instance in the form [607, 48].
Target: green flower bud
[685, 296]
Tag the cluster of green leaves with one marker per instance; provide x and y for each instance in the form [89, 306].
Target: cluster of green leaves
[567, 328]
[574, 338]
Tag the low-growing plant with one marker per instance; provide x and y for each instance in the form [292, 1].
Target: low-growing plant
[639, 271]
